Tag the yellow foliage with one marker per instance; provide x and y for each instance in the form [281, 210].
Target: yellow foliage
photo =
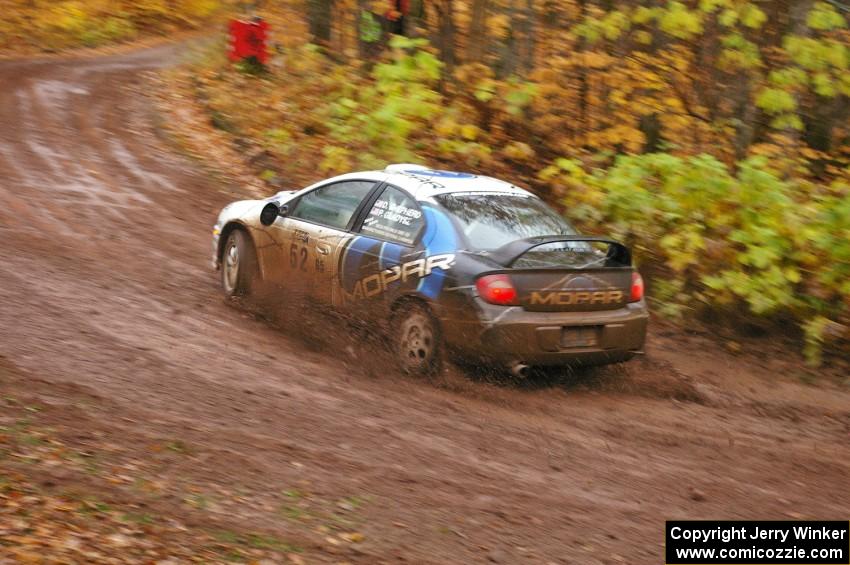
[518, 151]
[41, 24]
[469, 132]
[595, 60]
[446, 127]
[499, 25]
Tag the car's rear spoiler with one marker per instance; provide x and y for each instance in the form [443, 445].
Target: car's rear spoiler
[509, 253]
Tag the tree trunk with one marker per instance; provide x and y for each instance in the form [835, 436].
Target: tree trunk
[446, 33]
[476, 48]
[529, 39]
[371, 35]
[319, 17]
[416, 18]
[583, 82]
[798, 26]
[746, 119]
[508, 59]
[819, 125]
[650, 127]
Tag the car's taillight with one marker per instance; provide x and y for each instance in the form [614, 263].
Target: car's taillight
[637, 287]
[496, 289]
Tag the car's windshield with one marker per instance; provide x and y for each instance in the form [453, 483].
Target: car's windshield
[490, 221]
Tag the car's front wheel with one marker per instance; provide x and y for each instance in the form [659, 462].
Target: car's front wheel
[238, 264]
[417, 340]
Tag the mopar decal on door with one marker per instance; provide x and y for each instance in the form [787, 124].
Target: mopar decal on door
[369, 267]
[377, 283]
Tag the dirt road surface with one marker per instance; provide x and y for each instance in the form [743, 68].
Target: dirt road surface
[111, 319]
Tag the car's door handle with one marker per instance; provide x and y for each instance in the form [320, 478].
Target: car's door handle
[323, 249]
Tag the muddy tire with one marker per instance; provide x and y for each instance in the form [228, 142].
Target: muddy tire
[239, 270]
[416, 339]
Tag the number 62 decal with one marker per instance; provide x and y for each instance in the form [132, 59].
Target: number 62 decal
[298, 257]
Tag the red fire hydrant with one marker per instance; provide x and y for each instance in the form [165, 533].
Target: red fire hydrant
[248, 40]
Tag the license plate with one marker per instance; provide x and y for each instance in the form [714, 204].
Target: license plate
[581, 336]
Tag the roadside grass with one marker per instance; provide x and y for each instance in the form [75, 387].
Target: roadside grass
[75, 526]
[178, 446]
[93, 495]
[142, 518]
[198, 500]
[256, 541]
[64, 504]
[337, 519]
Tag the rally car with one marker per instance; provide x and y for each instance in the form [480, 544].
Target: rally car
[450, 262]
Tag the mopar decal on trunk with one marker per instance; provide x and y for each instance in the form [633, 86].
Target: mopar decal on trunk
[570, 297]
[596, 291]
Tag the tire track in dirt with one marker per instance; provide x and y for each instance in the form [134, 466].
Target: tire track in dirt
[105, 242]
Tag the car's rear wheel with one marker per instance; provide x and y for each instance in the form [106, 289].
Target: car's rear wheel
[417, 340]
[238, 264]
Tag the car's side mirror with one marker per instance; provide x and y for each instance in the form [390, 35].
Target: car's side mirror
[271, 212]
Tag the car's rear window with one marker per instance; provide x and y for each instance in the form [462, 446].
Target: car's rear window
[490, 221]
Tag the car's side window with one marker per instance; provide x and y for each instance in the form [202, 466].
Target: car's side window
[333, 204]
[395, 216]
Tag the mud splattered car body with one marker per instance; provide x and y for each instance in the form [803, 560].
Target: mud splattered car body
[502, 278]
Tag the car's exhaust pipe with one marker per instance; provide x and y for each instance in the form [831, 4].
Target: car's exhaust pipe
[519, 370]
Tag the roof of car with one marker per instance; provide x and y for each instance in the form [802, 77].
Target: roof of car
[423, 183]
